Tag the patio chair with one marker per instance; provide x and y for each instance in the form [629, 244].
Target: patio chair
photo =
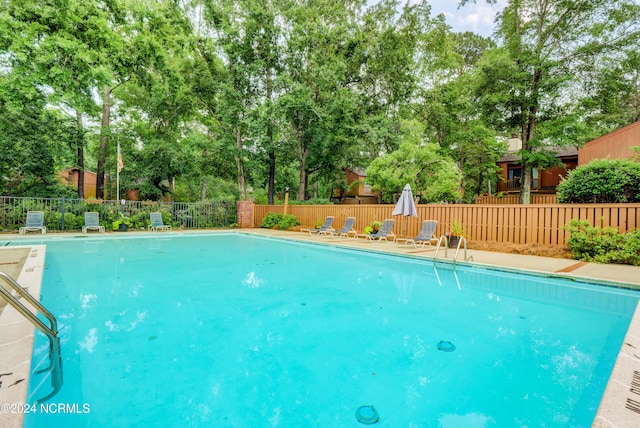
[385, 232]
[344, 231]
[424, 237]
[34, 223]
[157, 223]
[92, 222]
[325, 226]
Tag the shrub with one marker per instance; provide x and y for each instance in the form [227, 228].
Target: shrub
[53, 220]
[372, 227]
[602, 181]
[603, 245]
[282, 222]
[314, 201]
[270, 220]
[115, 225]
[287, 222]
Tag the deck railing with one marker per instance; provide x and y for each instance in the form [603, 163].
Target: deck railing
[519, 224]
[62, 214]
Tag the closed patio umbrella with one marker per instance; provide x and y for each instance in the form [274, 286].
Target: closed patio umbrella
[406, 206]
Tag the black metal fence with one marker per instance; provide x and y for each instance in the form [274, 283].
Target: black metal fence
[62, 214]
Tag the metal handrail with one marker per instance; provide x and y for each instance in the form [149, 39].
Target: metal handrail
[446, 244]
[461, 239]
[55, 359]
[445, 239]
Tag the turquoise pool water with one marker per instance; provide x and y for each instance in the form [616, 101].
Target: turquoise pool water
[240, 331]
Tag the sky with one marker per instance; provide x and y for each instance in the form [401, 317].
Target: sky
[478, 18]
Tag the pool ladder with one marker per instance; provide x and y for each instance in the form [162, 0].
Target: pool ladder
[444, 239]
[51, 331]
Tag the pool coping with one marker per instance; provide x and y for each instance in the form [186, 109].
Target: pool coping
[617, 407]
[16, 342]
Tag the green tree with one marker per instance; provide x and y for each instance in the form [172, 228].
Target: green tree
[447, 105]
[140, 37]
[242, 112]
[66, 44]
[612, 92]
[30, 141]
[433, 178]
[347, 73]
[528, 82]
[34, 138]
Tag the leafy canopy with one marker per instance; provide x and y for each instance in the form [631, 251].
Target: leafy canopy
[432, 177]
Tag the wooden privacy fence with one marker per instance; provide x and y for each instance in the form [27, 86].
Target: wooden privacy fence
[515, 199]
[519, 224]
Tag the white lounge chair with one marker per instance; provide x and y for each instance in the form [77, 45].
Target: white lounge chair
[34, 223]
[325, 226]
[384, 232]
[157, 223]
[92, 222]
[424, 237]
[344, 231]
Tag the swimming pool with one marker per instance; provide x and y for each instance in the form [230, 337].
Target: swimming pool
[236, 331]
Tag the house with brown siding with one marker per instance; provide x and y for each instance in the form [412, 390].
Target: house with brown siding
[544, 181]
[614, 145]
[357, 191]
[71, 175]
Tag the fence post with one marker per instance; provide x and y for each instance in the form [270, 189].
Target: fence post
[62, 209]
[244, 213]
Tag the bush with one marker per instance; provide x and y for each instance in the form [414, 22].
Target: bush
[282, 222]
[53, 220]
[602, 181]
[603, 245]
[314, 201]
[372, 227]
[287, 222]
[270, 220]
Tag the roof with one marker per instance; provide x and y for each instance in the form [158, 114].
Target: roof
[563, 152]
[622, 130]
[362, 172]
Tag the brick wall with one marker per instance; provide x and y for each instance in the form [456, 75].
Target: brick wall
[245, 213]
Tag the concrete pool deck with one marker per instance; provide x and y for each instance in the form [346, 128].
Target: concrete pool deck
[620, 405]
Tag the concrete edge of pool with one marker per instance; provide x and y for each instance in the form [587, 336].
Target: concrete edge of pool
[16, 343]
[617, 408]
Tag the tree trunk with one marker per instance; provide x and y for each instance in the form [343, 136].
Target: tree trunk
[104, 141]
[272, 176]
[302, 180]
[302, 187]
[80, 148]
[203, 194]
[525, 189]
[272, 156]
[529, 132]
[107, 193]
[302, 159]
[241, 183]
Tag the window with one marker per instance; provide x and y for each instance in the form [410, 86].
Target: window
[514, 173]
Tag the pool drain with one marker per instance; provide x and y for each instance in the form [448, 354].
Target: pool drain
[446, 346]
[367, 415]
